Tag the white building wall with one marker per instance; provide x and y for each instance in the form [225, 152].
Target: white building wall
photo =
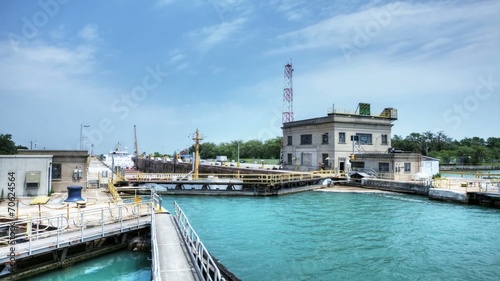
[18, 166]
[430, 167]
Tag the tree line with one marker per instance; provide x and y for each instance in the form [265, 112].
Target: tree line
[255, 149]
[468, 151]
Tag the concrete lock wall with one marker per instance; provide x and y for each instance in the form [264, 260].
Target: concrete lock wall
[13, 171]
[448, 195]
[397, 186]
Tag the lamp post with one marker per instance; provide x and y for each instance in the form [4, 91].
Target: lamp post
[81, 134]
[238, 164]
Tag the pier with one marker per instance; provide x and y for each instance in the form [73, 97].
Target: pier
[238, 184]
[54, 235]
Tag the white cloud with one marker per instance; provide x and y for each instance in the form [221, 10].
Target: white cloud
[90, 32]
[419, 24]
[161, 3]
[59, 33]
[217, 34]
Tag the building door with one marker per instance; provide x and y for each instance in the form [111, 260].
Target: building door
[342, 165]
[325, 160]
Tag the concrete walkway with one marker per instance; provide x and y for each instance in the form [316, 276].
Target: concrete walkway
[175, 262]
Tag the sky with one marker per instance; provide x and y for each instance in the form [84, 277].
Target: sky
[170, 67]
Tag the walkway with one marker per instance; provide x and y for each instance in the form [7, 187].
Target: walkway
[174, 262]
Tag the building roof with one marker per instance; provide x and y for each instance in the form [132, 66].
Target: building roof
[26, 156]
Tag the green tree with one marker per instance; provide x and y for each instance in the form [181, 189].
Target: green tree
[7, 146]
[272, 148]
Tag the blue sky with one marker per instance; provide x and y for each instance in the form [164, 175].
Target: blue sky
[171, 66]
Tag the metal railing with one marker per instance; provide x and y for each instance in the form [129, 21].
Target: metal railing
[467, 185]
[203, 261]
[155, 259]
[37, 228]
[259, 179]
[113, 191]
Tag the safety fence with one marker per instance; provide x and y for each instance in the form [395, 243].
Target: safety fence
[467, 184]
[204, 263]
[247, 179]
[28, 235]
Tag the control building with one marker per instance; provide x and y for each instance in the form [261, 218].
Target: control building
[328, 142]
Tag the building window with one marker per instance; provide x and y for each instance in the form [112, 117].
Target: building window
[407, 167]
[305, 139]
[384, 139]
[289, 140]
[56, 171]
[324, 138]
[341, 137]
[383, 167]
[364, 138]
[289, 159]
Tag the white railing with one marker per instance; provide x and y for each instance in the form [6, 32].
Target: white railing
[155, 263]
[26, 233]
[205, 265]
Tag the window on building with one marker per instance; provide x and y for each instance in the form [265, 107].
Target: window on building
[407, 167]
[56, 171]
[289, 140]
[324, 138]
[383, 167]
[364, 138]
[289, 159]
[305, 139]
[384, 139]
[342, 137]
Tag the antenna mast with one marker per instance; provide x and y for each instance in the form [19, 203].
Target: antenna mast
[288, 94]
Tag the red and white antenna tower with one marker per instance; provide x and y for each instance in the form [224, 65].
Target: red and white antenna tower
[288, 94]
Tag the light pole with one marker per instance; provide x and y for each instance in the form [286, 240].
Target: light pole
[81, 134]
[238, 164]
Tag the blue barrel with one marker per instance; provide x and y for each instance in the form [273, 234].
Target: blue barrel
[74, 194]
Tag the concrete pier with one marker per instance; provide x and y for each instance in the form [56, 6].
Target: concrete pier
[173, 258]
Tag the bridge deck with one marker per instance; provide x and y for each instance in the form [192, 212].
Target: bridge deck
[174, 260]
[46, 243]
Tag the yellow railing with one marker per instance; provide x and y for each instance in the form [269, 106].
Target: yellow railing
[269, 179]
[441, 183]
[113, 191]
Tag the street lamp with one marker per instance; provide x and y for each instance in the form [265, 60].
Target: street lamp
[81, 134]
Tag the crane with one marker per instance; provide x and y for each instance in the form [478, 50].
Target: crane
[135, 143]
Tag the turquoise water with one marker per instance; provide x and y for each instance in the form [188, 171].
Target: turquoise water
[328, 236]
[118, 266]
[346, 236]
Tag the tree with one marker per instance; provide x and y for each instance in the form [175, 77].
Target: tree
[7, 146]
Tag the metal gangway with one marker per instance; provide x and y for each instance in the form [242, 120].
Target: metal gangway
[177, 251]
[40, 234]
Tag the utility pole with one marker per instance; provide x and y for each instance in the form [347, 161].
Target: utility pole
[197, 140]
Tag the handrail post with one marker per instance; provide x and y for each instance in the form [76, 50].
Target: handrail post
[81, 226]
[29, 231]
[58, 230]
[102, 222]
[120, 217]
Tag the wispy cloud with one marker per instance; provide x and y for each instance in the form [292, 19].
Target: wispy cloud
[49, 69]
[90, 32]
[217, 34]
[428, 25]
[294, 10]
[162, 3]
